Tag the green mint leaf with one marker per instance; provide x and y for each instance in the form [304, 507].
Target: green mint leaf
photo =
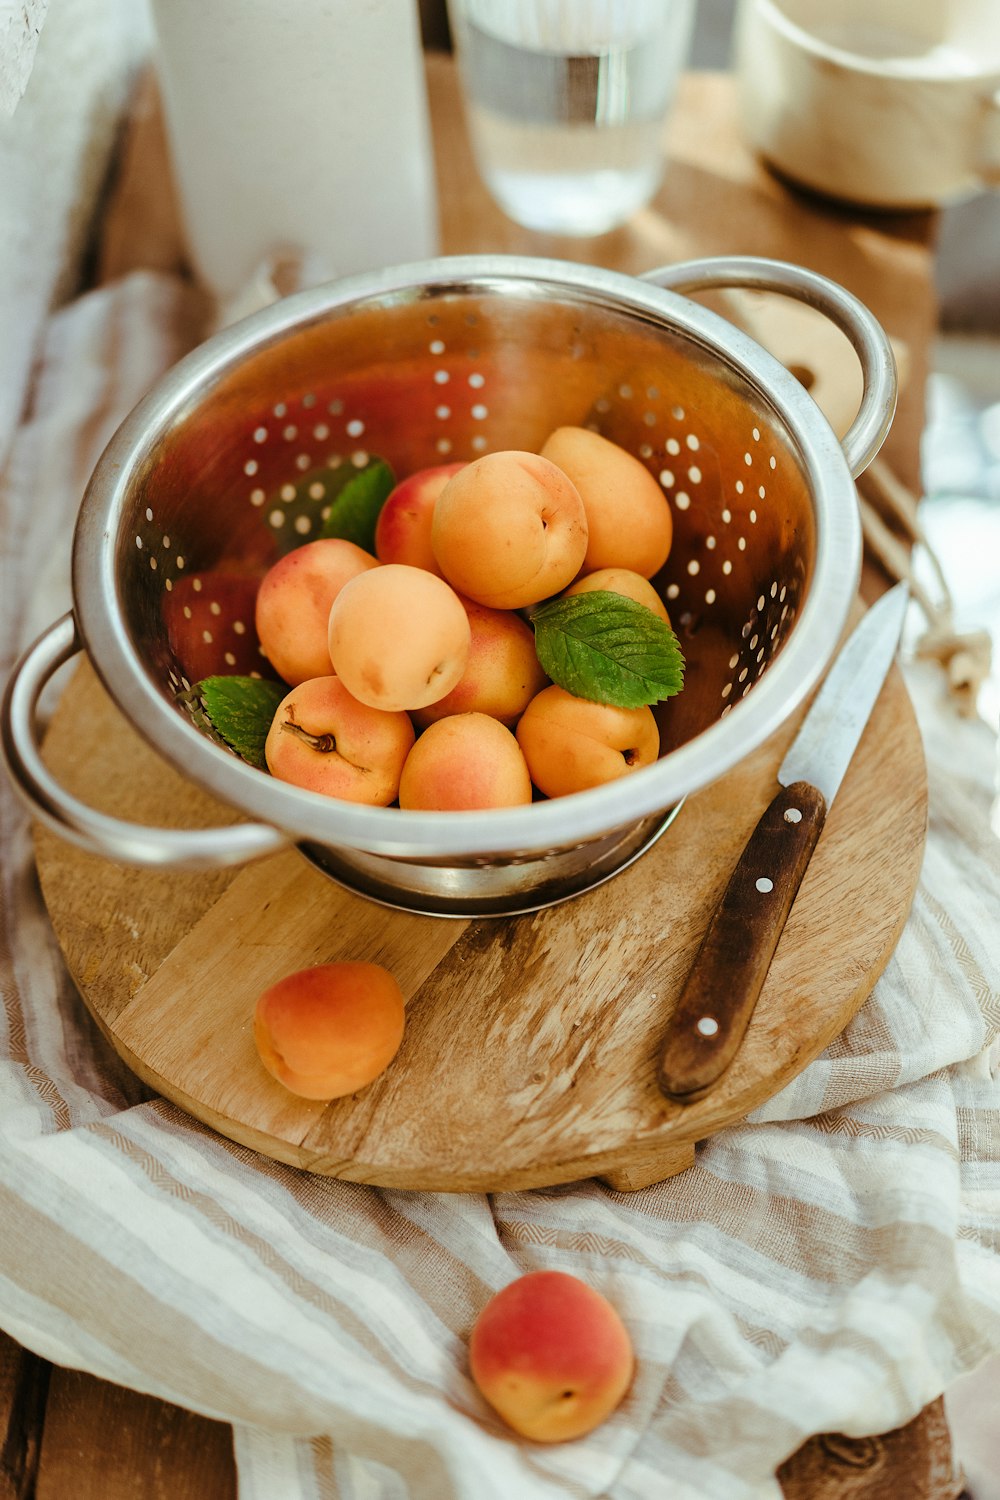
[342, 502]
[356, 508]
[237, 711]
[607, 648]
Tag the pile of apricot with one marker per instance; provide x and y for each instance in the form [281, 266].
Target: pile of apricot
[413, 676]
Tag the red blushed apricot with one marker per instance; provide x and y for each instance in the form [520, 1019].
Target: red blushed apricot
[551, 1356]
[294, 603]
[571, 744]
[621, 581]
[628, 518]
[323, 739]
[502, 673]
[398, 637]
[509, 529]
[403, 530]
[463, 762]
[328, 1031]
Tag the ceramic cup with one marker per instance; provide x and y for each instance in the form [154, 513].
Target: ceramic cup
[888, 103]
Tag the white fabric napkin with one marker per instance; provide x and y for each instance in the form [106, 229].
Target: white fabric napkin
[65, 74]
[832, 1264]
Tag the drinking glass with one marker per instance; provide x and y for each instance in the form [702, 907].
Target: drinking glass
[566, 101]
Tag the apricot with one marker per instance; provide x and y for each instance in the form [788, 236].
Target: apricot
[403, 529]
[502, 673]
[398, 637]
[621, 581]
[465, 761]
[329, 1030]
[571, 744]
[628, 518]
[509, 529]
[551, 1356]
[323, 739]
[294, 602]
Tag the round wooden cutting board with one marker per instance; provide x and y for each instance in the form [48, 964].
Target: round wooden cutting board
[529, 1054]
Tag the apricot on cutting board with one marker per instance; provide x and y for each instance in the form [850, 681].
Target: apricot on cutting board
[331, 1029]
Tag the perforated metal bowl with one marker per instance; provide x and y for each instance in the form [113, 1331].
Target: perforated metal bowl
[433, 363]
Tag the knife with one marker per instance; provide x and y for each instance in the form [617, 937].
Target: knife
[719, 995]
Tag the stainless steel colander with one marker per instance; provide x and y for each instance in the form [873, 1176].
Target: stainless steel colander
[426, 364]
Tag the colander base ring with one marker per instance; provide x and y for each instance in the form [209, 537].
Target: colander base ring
[489, 889]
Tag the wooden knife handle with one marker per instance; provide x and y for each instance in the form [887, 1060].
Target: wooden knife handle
[727, 976]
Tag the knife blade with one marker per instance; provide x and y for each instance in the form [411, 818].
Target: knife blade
[720, 993]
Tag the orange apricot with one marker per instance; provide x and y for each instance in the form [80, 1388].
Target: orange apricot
[621, 581]
[551, 1356]
[329, 1030]
[629, 524]
[323, 739]
[294, 602]
[502, 673]
[465, 761]
[398, 637]
[571, 744]
[509, 529]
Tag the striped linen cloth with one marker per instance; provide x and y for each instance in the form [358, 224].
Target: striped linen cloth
[830, 1265]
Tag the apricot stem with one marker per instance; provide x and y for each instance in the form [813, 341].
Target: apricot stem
[325, 743]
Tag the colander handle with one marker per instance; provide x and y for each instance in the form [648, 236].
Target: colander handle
[58, 809]
[867, 432]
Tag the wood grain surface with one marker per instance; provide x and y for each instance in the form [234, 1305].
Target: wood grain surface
[180, 1455]
[914, 1462]
[530, 1047]
[24, 1388]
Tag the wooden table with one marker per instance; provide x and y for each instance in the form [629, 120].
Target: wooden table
[65, 1434]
